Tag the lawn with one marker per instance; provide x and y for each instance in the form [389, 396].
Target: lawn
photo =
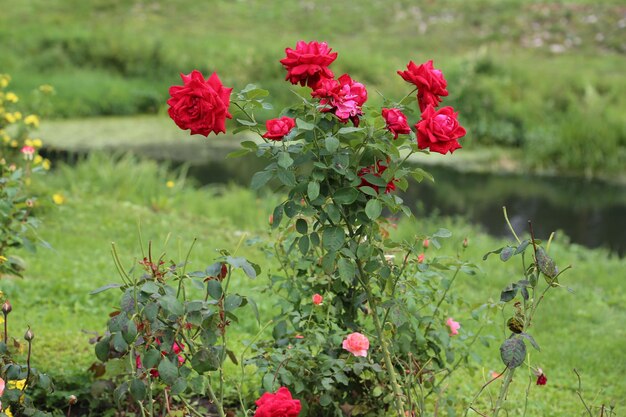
[107, 201]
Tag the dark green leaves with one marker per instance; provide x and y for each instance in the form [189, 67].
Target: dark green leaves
[346, 196]
[546, 264]
[513, 352]
[333, 238]
[373, 209]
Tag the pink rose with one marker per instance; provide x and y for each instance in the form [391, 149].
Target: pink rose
[277, 129]
[425, 243]
[439, 130]
[357, 344]
[200, 105]
[28, 152]
[280, 404]
[420, 258]
[429, 81]
[317, 299]
[308, 63]
[396, 122]
[454, 326]
[343, 97]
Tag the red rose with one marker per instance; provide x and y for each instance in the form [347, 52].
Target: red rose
[439, 130]
[396, 122]
[279, 404]
[429, 82]
[376, 170]
[200, 105]
[278, 128]
[308, 63]
[344, 96]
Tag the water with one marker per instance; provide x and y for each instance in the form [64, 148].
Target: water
[590, 213]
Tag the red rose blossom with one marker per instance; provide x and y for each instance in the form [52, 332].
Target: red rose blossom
[429, 81]
[396, 122]
[439, 130]
[343, 97]
[280, 404]
[308, 63]
[542, 380]
[278, 128]
[200, 105]
[376, 170]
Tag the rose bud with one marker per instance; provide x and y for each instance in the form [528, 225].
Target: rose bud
[29, 335]
[6, 307]
[71, 400]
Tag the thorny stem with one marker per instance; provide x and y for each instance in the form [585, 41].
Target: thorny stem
[6, 333]
[579, 392]
[503, 390]
[189, 407]
[470, 407]
[220, 408]
[30, 344]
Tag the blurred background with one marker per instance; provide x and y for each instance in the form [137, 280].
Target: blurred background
[540, 86]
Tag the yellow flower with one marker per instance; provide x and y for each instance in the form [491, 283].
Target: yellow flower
[17, 115]
[37, 160]
[14, 143]
[9, 117]
[32, 120]
[28, 142]
[3, 259]
[37, 143]
[4, 80]
[58, 198]
[11, 97]
[46, 89]
[8, 412]
[170, 184]
[46, 164]
[16, 384]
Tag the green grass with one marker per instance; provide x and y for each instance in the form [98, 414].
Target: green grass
[107, 201]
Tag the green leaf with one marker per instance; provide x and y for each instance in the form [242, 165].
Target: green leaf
[513, 352]
[179, 386]
[255, 309]
[333, 213]
[442, 233]
[214, 288]
[232, 301]
[286, 177]
[251, 145]
[205, 360]
[368, 190]
[373, 209]
[419, 174]
[508, 293]
[303, 245]
[150, 287]
[238, 153]
[247, 122]
[151, 358]
[119, 344]
[506, 253]
[129, 332]
[277, 217]
[284, 160]
[172, 304]
[242, 263]
[522, 246]
[104, 288]
[302, 226]
[313, 190]
[333, 238]
[496, 251]
[346, 130]
[347, 271]
[331, 143]
[546, 264]
[346, 195]
[138, 389]
[302, 125]
[531, 340]
[102, 349]
[260, 179]
[168, 372]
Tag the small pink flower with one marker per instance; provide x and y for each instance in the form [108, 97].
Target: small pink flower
[357, 344]
[299, 336]
[426, 243]
[454, 326]
[29, 152]
[317, 299]
[420, 258]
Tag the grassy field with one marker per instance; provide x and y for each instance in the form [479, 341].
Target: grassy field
[546, 77]
[107, 201]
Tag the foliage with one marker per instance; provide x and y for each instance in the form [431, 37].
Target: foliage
[18, 160]
[17, 380]
[161, 342]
